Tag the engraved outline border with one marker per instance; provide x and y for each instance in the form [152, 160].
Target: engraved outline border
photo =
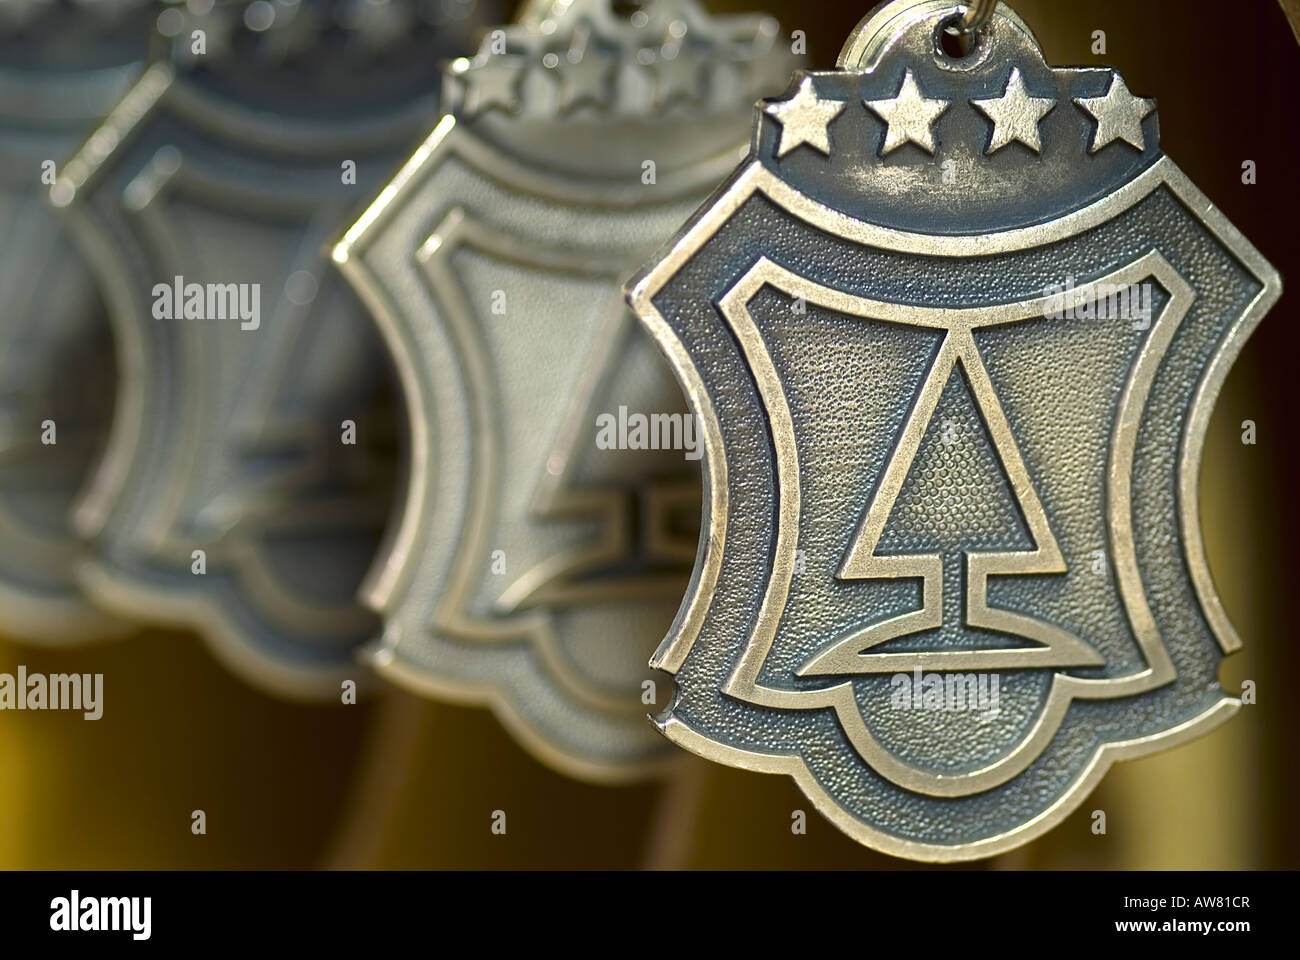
[744, 681]
[453, 616]
[391, 572]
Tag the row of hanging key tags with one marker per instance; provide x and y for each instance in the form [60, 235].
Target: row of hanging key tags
[238, 472]
[541, 535]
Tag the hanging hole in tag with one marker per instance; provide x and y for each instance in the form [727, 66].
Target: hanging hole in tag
[957, 48]
[954, 41]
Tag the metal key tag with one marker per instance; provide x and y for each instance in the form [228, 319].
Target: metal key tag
[551, 512]
[244, 489]
[62, 67]
[955, 330]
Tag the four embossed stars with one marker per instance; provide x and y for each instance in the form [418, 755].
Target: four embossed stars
[1015, 114]
[804, 118]
[908, 116]
[1119, 115]
[585, 71]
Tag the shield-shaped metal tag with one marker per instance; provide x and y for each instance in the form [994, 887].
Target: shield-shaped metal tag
[552, 508]
[954, 330]
[62, 67]
[245, 486]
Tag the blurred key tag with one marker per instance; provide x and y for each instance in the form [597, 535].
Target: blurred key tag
[245, 485]
[63, 66]
[551, 512]
[955, 329]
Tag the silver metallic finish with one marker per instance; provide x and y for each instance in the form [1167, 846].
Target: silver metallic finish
[955, 386]
[233, 173]
[62, 67]
[532, 569]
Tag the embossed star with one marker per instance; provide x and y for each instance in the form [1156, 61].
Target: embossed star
[491, 81]
[1015, 114]
[804, 119]
[676, 79]
[908, 116]
[585, 80]
[1119, 115]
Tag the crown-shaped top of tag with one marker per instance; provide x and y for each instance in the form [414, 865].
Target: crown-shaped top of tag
[565, 58]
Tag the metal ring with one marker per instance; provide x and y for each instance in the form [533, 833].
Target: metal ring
[977, 15]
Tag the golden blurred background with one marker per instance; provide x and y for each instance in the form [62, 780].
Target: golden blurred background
[397, 782]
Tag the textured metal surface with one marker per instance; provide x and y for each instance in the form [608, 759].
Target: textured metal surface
[62, 67]
[937, 456]
[230, 168]
[533, 569]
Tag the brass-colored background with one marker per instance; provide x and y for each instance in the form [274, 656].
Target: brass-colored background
[398, 782]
